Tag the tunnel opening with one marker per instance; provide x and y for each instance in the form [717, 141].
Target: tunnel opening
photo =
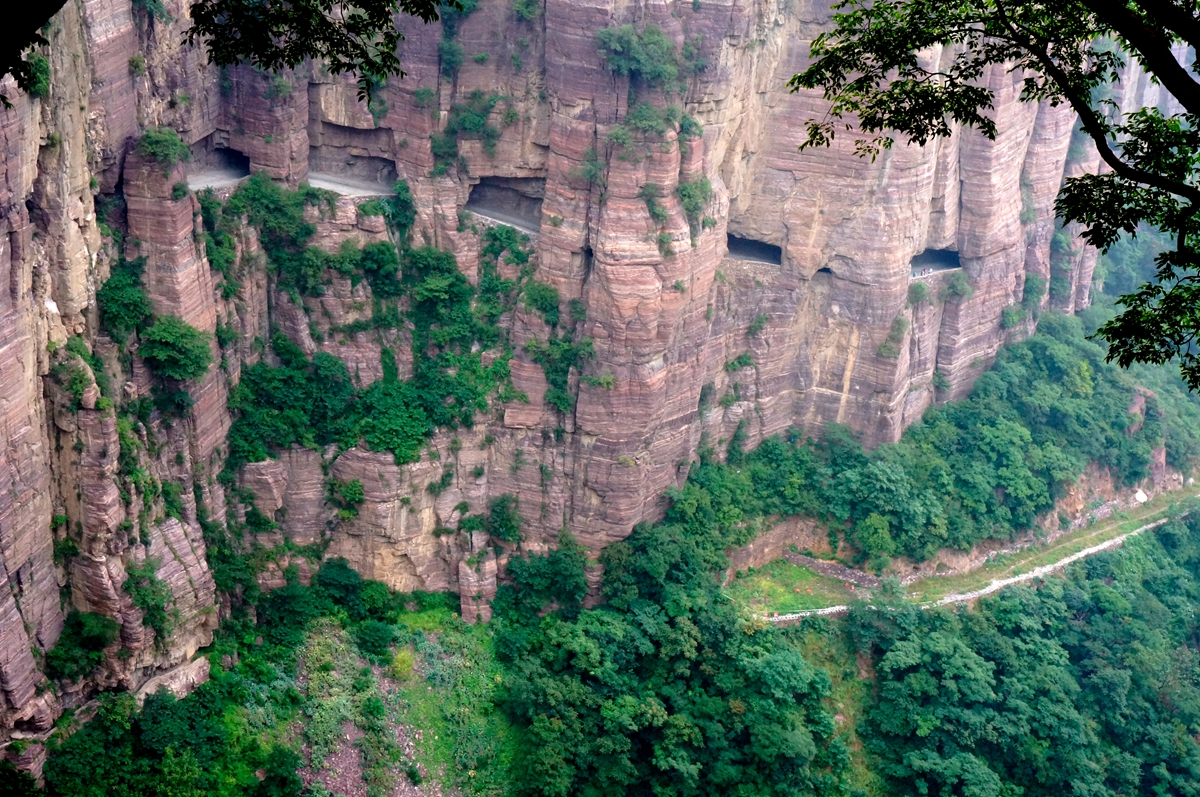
[509, 200]
[352, 155]
[825, 270]
[215, 165]
[749, 249]
[932, 260]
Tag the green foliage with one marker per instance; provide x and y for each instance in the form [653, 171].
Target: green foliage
[966, 699]
[504, 519]
[526, 10]
[557, 355]
[663, 240]
[663, 689]
[1013, 316]
[279, 216]
[124, 306]
[39, 80]
[137, 64]
[450, 58]
[172, 494]
[156, 9]
[647, 57]
[544, 299]
[315, 404]
[279, 88]
[175, 349]
[400, 211]
[179, 190]
[424, 97]
[957, 286]
[163, 146]
[650, 193]
[150, 594]
[80, 647]
[694, 196]
[467, 121]
[1032, 293]
[372, 207]
[743, 360]
[890, 347]
[918, 294]
[591, 170]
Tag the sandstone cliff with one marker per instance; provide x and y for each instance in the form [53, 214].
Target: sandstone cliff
[664, 326]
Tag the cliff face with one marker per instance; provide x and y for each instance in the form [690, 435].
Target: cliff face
[664, 326]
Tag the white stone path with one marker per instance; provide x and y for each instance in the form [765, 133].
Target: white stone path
[996, 585]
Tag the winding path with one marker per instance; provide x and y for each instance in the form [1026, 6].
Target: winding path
[994, 586]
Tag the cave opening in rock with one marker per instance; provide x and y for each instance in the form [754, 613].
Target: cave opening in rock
[759, 251]
[935, 260]
[214, 165]
[825, 270]
[351, 160]
[509, 200]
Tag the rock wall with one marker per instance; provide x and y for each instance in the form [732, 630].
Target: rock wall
[73, 191]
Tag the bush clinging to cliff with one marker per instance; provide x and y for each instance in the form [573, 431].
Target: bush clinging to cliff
[646, 56]
[123, 303]
[163, 146]
[175, 349]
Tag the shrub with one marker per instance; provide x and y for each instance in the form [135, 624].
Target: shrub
[756, 326]
[179, 190]
[743, 360]
[163, 146]
[694, 196]
[39, 76]
[504, 518]
[1012, 316]
[279, 88]
[1032, 293]
[123, 303]
[526, 10]
[958, 286]
[645, 56]
[650, 192]
[481, 58]
[450, 57]
[544, 299]
[918, 294]
[154, 8]
[890, 347]
[591, 169]
[137, 64]
[150, 594]
[175, 349]
[80, 647]
[424, 98]
[663, 239]
[372, 207]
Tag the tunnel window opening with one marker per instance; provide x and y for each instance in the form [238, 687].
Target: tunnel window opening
[232, 161]
[749, 249]
[932, 260]
[214, 165]
[513, 201]
[825, 270]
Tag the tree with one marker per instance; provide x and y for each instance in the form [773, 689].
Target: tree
[175, 349]
[358, 37]
[874, 66]
[23, 31]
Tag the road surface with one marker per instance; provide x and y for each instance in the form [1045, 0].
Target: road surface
[524, 225]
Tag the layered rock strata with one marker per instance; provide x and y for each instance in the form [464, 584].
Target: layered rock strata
[666, 308]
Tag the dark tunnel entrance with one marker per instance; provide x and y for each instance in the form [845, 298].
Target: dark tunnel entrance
[510, 200]
[749, 249]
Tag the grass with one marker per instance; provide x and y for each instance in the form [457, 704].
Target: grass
[466, 743]
[773, 588]
[937, 587]
[826, 643]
